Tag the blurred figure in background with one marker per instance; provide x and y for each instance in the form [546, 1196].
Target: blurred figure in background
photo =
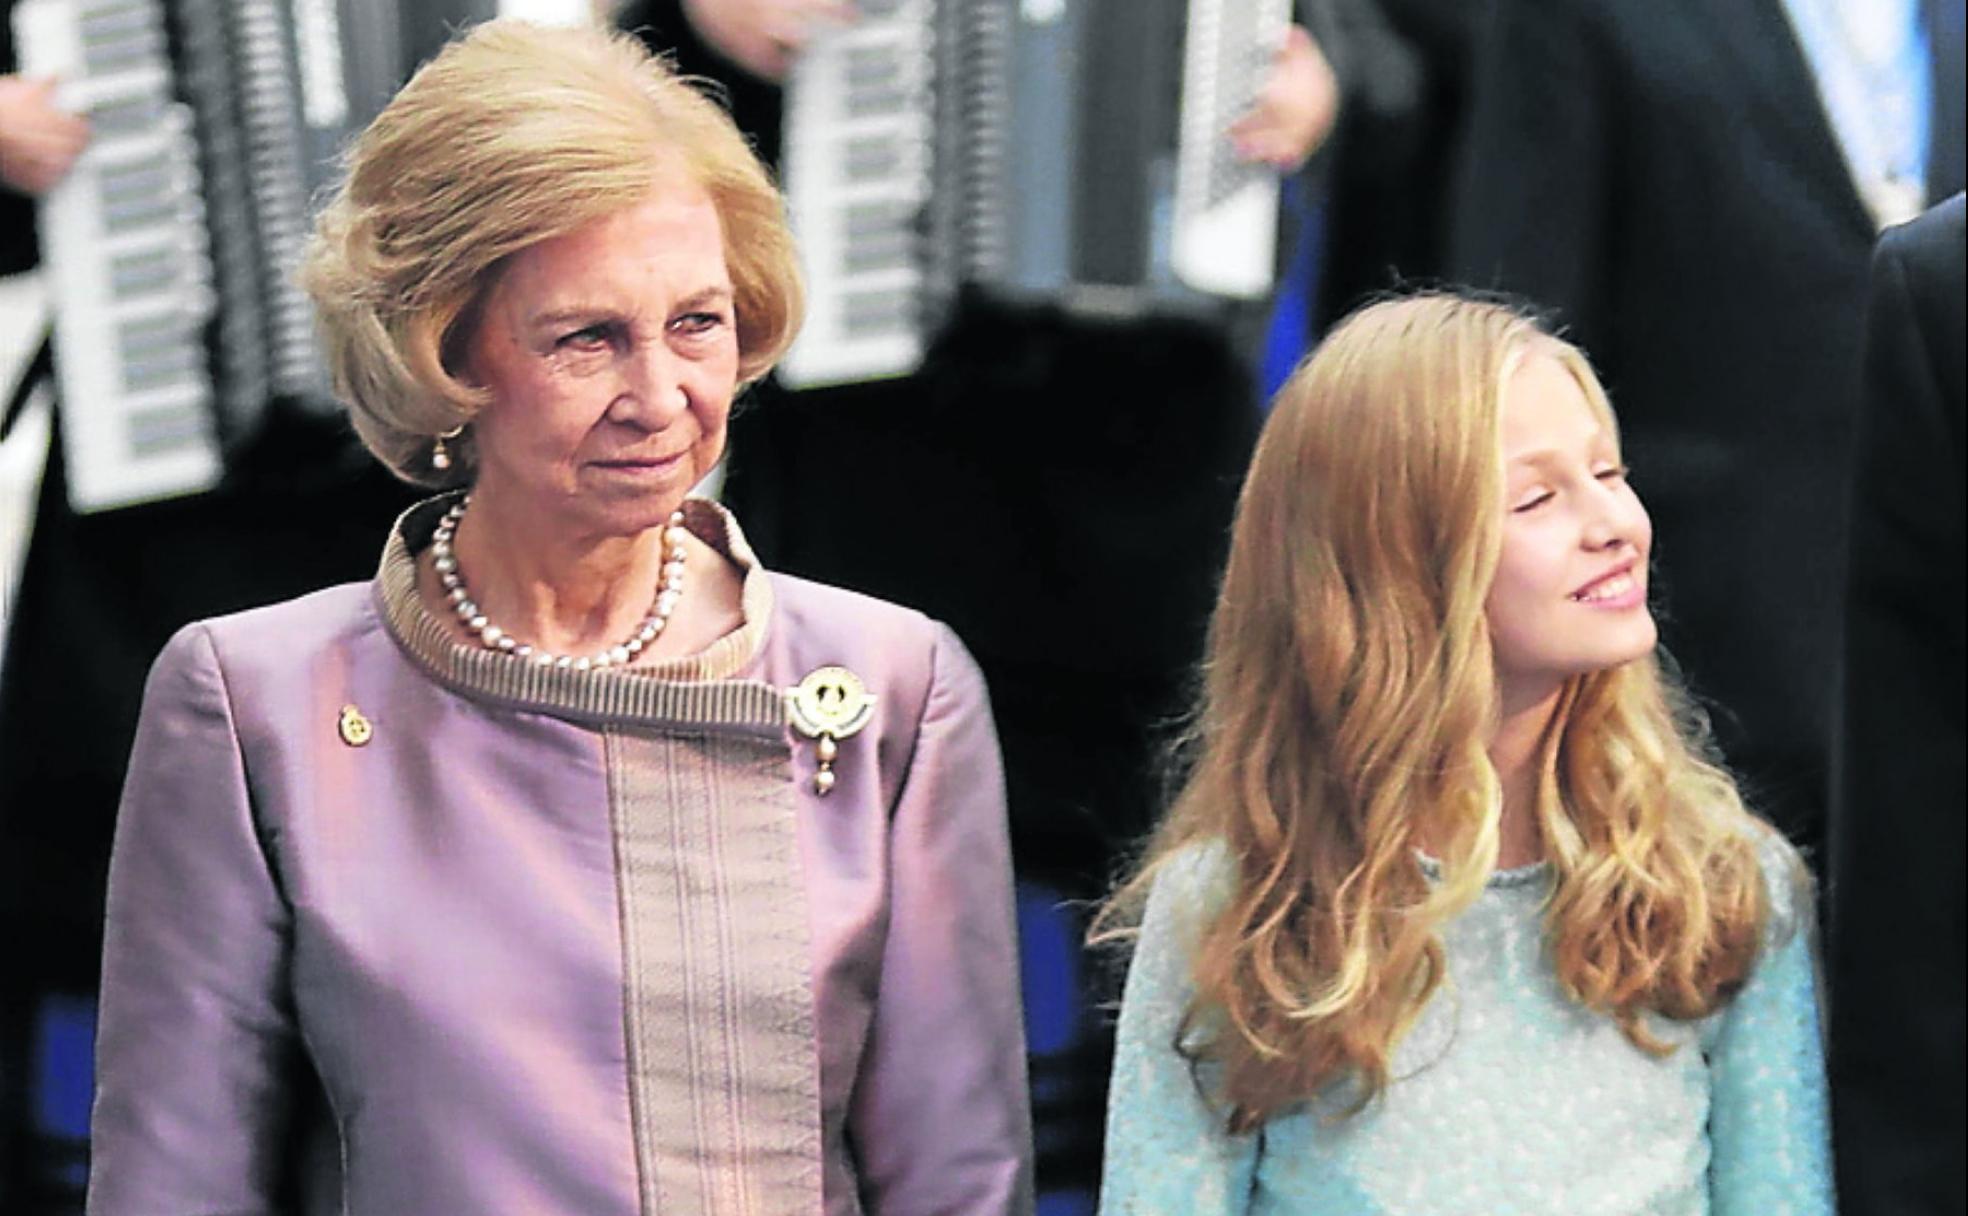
[1388, 180]
[1695, 189]
[39, 142]
[1896, 841]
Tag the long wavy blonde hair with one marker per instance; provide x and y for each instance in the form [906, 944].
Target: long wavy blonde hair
[1347, 704]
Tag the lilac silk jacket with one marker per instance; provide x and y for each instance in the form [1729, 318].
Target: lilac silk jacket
[398, 926]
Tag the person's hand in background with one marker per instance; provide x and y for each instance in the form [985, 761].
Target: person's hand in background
[38, 140]
[1295, 109]
[764, 36]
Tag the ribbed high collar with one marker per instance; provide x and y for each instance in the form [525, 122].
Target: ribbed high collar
[703, 688]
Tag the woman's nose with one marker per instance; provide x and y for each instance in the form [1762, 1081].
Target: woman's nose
[652, 391]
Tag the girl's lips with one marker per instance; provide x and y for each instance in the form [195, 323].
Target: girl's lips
[1616, 589]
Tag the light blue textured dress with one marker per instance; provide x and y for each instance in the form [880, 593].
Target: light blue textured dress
[1506, 1096]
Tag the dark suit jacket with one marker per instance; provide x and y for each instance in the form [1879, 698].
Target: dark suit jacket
[1662, 174]
[1897, 907]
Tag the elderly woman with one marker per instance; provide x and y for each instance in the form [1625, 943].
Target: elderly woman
[577, 865]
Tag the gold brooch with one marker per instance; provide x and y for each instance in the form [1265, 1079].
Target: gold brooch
[354, 728]
[829, 705]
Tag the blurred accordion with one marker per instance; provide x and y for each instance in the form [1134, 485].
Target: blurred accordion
[1068, 153]
[170, 249]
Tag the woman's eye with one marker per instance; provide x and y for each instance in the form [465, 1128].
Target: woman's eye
[588, 337]
[698, 322]
[1614, 473]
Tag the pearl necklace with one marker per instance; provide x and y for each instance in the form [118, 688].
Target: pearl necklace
[494, 638]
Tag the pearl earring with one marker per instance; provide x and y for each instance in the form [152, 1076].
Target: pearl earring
[441, 455]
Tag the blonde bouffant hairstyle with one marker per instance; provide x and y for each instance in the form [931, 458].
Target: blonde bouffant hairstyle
[1347, 703]
[512, 135]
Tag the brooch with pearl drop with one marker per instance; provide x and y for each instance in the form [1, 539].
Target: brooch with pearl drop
[829, 705]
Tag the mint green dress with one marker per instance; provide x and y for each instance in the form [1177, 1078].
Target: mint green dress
[1506, 1096]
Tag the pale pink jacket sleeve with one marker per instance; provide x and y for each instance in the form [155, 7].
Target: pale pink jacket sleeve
[197, 1041]
[941, 1121]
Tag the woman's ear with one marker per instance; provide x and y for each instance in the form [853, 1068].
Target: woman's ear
[454, 349]
[460, 339]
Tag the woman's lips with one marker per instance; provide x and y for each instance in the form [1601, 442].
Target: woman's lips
[641, 464]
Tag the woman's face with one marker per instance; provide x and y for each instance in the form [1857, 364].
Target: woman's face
[611, 355]
[1570, 594]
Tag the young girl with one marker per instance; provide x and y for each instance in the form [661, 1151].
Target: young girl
[1453, 914]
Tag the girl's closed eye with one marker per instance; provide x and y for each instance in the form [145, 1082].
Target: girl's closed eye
[1611, 473]
[1531, 501]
